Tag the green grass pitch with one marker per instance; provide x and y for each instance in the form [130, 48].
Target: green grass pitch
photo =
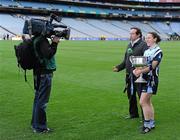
[87, 102]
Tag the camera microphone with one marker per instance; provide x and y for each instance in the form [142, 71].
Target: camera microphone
[55, 17]
[61, 26]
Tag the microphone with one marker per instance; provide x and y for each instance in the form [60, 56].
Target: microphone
[61, 26]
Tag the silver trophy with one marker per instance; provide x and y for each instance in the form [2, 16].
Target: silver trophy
[139, 62]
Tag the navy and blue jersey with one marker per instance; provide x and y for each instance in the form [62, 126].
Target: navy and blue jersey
[152, 54]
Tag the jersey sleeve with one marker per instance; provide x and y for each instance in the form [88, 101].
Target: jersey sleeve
[158, 57]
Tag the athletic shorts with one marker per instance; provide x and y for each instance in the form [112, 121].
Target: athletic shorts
[151, 86]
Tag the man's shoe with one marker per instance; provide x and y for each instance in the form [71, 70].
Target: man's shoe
[131, 117]
[141, 121]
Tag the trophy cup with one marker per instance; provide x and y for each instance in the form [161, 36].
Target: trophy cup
[139, 62]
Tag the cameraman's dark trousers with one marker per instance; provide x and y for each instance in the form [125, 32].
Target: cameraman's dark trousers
[42, 86]
[132, 88]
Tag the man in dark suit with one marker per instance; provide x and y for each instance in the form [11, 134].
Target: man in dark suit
[136, 47]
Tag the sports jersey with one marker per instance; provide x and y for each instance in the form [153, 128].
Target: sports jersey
[153, 54]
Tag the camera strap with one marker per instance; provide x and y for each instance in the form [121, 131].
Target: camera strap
[35, 41]
[30, 28]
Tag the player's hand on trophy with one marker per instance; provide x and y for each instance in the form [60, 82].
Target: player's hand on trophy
[115, 69]
[137, 72]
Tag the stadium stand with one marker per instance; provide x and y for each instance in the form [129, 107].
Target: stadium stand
[92, 22]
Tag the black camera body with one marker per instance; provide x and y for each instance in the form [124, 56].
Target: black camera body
[46, 27]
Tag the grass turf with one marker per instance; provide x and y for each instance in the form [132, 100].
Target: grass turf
[86, 101]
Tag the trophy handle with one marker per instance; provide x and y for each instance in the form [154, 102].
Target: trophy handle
[131, 59]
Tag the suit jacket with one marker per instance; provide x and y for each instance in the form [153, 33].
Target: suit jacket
[136, 50]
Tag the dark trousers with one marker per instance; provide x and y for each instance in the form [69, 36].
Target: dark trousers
[42, 86]
[131, 93]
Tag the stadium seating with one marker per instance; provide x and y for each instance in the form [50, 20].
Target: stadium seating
[35, 5]
[82, 9]
[175, 26]
[91, 28]
[12, 23]
[8, 3]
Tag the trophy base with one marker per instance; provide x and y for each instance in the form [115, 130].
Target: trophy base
[140, 80]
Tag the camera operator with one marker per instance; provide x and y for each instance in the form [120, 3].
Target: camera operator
[43, 74]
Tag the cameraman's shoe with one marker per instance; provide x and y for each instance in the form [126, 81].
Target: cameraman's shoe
[47, 130]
